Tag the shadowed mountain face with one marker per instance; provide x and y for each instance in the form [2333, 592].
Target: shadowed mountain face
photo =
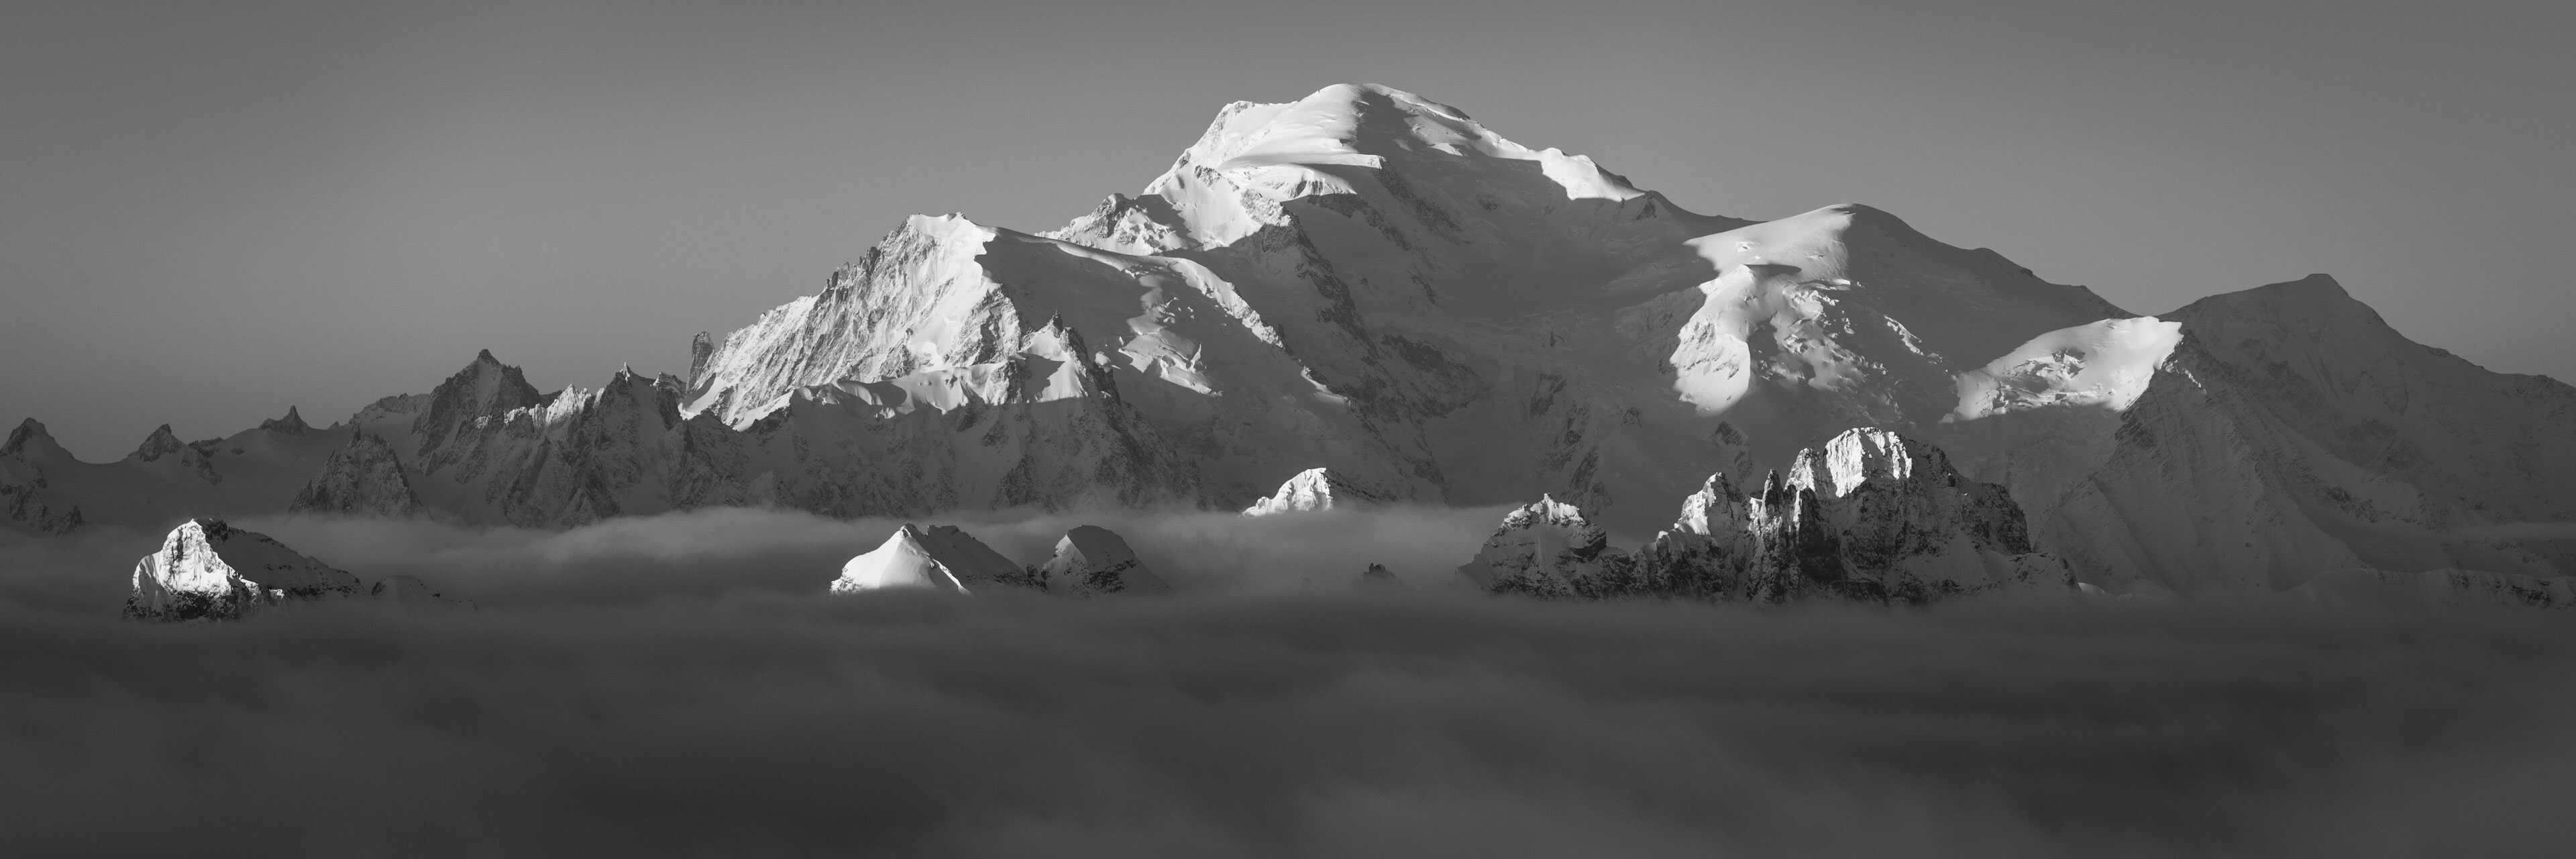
[1372, 283]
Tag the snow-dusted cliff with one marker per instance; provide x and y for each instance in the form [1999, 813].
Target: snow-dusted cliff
[209, 570]
[206, 569]
[1093, 561]
[1548, 549]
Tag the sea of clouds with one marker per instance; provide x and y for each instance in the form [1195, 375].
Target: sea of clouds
[677, 685]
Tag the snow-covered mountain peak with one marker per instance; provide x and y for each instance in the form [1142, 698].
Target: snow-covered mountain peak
[937, 294]
[938, 240]
[1546, 549]
[1368, 125]
[1547, 511]
[1419, 173]
[901, 561]
[1316, 489]
[941, 557]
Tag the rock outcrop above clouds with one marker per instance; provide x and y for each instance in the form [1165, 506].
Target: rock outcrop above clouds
[1549, 549]
[209, 570]
[1092, 561]
[206, 569]
[1088, 561]
[1869, 515]
[941, 557]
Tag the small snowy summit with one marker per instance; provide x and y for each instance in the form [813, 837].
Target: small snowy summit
[1092, 560]
[1316, 489]
[1549, 550]
[210, 570]
[941, 557]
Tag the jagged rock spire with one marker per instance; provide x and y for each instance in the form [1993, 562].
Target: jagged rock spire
[1869, 514]
[291, 424]
[701, 348]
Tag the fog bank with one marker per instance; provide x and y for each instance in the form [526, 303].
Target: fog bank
[709, 704]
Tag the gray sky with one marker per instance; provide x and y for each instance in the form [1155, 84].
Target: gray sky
[212, 211]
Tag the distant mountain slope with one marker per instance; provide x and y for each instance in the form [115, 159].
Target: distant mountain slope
[2279, 432]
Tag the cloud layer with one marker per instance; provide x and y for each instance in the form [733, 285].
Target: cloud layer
[655, 688]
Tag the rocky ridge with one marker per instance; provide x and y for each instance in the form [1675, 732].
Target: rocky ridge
[1870, 515]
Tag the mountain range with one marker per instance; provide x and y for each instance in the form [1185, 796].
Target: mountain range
[1372, 284]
